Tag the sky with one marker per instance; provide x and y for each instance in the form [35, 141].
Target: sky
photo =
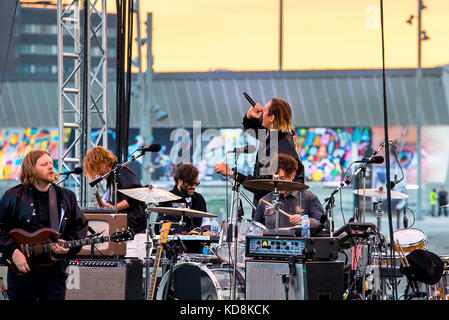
[204, 35]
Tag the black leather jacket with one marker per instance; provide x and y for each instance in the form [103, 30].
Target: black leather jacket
[16, 208]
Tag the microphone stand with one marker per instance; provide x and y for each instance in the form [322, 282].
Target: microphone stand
[234, 204]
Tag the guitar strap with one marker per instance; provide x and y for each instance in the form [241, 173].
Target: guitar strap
[53, 208]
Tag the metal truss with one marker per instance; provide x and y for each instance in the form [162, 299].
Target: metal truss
[82, 100]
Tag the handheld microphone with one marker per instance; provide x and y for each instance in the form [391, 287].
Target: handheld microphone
[77, 170]
[150, 148]
[251, 101]
[246, 149]
[376, 159]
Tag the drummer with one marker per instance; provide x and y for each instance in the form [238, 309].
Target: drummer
[295, 203]
[186, 181]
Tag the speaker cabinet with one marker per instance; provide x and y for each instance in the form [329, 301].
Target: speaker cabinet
[106, 224]
[105, 280]
[325, 280]
[264, 281]
[316, 280]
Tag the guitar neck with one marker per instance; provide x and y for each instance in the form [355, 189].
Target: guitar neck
[157, 262]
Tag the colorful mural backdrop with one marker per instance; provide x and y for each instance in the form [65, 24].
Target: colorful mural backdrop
[434, 151]
[16, 142]
[326, 152]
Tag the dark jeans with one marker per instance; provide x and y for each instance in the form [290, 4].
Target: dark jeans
[445, 210]
[38, 284]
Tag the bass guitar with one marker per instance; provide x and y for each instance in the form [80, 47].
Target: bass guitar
[37, 246]
[163, 236]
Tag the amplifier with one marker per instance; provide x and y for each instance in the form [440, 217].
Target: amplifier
[282, 280]
[104, 279]
[276, 247]
[106, 224]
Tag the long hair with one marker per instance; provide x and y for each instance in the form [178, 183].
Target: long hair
[282, 115]
[28, 173]
[94, 158]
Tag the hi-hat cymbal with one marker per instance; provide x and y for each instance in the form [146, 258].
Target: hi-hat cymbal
[380, 193]
[271, 184]
[172, 211]
[150, 195]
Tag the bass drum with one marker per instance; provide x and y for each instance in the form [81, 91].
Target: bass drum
[196, 281]
[225, 250]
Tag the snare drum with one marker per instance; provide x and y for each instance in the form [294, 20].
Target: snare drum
[410, 239]
[195, 281]
[225, 251]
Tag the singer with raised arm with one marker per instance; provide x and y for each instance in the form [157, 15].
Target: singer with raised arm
[98, 162]
[294, 203]
[275, 119]
[28, 210]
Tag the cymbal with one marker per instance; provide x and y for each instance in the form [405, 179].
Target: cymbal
[271, 184]
[380, 193]
[172, 211]
[150, 195]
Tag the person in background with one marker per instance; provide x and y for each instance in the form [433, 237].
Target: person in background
[442, 201]
[433, 202]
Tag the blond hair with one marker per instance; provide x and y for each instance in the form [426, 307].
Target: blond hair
[28, 173]
[94, 158]
[282, 115]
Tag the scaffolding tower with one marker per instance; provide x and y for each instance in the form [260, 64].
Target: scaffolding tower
[82, 87]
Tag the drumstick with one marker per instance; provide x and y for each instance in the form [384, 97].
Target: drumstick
[280, 210]
[398, 249]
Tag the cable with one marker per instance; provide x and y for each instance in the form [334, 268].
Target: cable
[9, 45]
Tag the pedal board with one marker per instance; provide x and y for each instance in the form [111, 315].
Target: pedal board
[276, 247]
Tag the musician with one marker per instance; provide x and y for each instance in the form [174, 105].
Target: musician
[98, 162]
[34, 204]
[274, 118]
[295, 203]
[186, 181]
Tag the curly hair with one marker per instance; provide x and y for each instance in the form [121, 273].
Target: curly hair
[28, 171]
[287, 163]
[94, 158]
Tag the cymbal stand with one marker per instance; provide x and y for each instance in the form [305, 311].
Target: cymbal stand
[244, 196]
[276, 202]
[378, 212]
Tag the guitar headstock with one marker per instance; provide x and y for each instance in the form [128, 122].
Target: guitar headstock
[123, 235]
[165, 230]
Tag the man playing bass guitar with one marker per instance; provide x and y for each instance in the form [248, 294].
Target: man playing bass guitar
[35, 204]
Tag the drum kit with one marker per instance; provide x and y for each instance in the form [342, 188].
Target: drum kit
[206, 276]
[220, 274]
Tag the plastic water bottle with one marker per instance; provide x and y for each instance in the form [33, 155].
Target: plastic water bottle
[214, 226]
[305, 230]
